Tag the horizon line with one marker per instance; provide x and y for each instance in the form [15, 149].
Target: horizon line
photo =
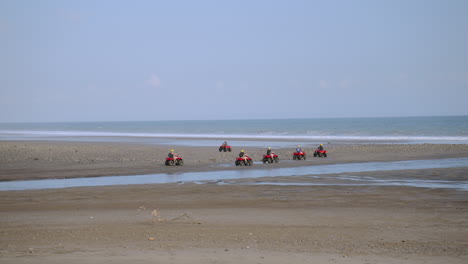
[229, 119]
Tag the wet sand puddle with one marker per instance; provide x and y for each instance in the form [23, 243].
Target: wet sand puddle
[347, 180]
[223, 177]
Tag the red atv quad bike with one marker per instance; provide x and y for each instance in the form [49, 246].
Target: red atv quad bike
[244, 162]
[224, 148]
[178, 161]
[270, 158]
[299, 155]
[320, 153]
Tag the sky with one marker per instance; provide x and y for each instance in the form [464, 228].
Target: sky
[87, 60]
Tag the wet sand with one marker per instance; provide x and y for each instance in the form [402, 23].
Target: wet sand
[211, 223]
[25, 160]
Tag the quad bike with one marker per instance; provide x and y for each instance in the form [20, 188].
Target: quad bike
[224, 148]
[320, 153]
[299, 155]
[244, 161]
[270, 158]
[178, 161]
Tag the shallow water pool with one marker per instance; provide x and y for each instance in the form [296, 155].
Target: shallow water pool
[243, 173]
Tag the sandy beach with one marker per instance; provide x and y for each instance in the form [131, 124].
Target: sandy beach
[25, 160]
[234, 223]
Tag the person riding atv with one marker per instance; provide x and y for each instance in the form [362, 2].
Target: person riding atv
[243, 159]
[225, 147]
[242, 154]
[269, 151]
[270, 156]
[171, 154]
[299, 154]
[173, 159]
[320, 152]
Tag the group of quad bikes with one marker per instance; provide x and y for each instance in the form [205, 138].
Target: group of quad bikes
[247, 161]
[302, 155]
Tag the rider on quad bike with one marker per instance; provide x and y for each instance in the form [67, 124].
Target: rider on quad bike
[171, 154]
[270, 157]
[243, 159]
[298, 149]
[173, 159]
[299, 154]
[320, 152]
[225, 147]
[242, 155]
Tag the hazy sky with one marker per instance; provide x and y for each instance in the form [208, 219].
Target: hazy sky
[159, 60]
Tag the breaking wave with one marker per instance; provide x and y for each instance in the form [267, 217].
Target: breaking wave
[8, 134]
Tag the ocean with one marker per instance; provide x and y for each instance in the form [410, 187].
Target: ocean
[274, 132]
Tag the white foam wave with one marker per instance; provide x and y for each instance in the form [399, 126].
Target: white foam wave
[10, 133]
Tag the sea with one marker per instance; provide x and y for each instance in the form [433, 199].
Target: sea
[259, 132]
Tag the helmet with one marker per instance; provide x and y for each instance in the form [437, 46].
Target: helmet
[321, 144]
[298, 146]
[269, 147]
[242, 150]
[172, 150]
